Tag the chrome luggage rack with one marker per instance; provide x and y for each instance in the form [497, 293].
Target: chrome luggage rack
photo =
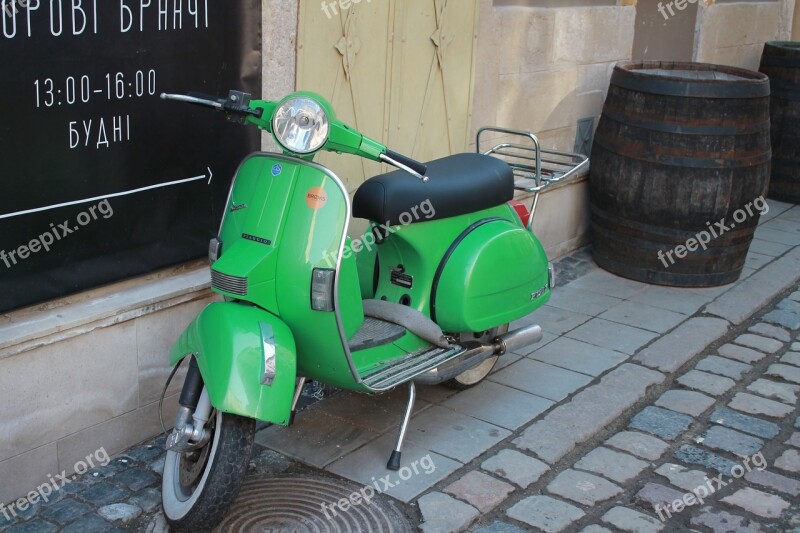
[534, 168]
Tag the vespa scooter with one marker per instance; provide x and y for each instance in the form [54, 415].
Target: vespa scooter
[417, 299]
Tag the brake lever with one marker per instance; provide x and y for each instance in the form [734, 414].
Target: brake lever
[203, 100]
[237, 103]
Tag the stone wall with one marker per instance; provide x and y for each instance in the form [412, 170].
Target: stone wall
[541, 69]
[86, 372]
[735, 33]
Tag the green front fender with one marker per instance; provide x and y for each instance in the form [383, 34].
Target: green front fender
[232, 343]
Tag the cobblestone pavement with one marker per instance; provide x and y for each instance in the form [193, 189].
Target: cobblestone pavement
[613, 422]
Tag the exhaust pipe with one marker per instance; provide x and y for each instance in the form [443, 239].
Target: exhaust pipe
[508, 342]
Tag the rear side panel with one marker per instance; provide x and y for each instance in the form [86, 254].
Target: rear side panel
[496, 272]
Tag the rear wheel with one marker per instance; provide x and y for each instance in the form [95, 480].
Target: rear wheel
[473, 376]
[199, 486]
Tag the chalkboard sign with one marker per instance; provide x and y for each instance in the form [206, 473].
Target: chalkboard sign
[100, 179]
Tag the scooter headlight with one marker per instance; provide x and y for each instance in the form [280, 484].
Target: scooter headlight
[300, 125]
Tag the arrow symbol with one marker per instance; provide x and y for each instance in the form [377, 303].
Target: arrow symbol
[112, 195]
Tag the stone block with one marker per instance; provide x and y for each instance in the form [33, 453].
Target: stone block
[687, 402]
[616, 466]
[789, 461]
[654, 497]
[756, 405]
[606, 34]
[786, 372]
[578, 356]
[757, 502]
[724, 522]
[774, 390]
[630, 520]
[540, 379]
[515, 467]
[768, 330]
[673, 350]
[639, 444]
[546, 513]
[728, 440]
[682, 477]
[444, 514]
[723, 367]
[480, 490]
[791, 358]
[774, 481]
[643, 316]
[611, 335]
[583, 488]
[760, 343]
[693, 455]
[674, 299]
[708, 383]
[740, 353]
[490, 402]
[661, 422]
[748, 424]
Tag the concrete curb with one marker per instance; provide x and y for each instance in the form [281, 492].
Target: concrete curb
[746, 298]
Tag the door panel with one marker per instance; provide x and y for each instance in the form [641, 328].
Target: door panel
[399, 71]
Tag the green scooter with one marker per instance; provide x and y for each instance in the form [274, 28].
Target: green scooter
[424, 296]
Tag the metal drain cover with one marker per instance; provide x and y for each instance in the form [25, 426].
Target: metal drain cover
[293, 504]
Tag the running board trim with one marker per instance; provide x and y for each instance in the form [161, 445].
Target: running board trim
[405, 369]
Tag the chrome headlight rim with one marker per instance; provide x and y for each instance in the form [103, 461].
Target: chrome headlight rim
[285, 122]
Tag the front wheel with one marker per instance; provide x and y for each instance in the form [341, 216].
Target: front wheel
[199, 486]
[473, 376]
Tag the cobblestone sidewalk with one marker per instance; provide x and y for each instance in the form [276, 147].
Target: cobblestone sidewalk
[716, 449]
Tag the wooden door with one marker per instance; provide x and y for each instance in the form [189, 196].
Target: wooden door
[400, 71]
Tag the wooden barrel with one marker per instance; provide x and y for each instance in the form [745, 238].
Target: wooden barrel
[680, 149]
[781, 62]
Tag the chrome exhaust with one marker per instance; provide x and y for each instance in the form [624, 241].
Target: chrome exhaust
[508, 342]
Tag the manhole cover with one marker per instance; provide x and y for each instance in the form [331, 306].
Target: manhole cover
[294, 504]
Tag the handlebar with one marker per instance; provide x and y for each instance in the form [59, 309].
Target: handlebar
[342, 139]
[236, 103]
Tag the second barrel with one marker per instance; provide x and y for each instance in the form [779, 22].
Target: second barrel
[681, 151]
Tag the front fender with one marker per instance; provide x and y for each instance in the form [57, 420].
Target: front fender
[230, 342]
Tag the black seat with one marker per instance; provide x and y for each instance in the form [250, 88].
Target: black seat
[458, 184]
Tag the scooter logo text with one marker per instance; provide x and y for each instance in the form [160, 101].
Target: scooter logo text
[316, 198]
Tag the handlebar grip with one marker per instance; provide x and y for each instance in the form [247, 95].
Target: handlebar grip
[413, 164]
[232, 107]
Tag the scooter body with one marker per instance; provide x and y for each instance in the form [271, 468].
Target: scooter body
[425, 295]
[287, 217]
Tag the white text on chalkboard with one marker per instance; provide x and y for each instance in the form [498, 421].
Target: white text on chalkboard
[59, 18]
[99, 133]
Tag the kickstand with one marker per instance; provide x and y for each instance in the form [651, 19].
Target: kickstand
[394, 459]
